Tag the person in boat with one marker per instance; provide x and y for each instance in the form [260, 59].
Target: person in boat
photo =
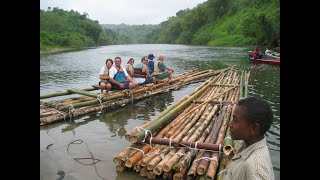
[141, 72]
[269, 52]
[119, 76]
[257, 54]
[150, 63]
[104, 76]
[129, 66]
[161, 71]
[252, 118]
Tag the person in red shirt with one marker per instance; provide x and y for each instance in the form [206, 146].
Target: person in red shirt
[257, 54]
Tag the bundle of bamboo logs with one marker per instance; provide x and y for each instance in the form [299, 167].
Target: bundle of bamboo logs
[186, 140]
[53, 111]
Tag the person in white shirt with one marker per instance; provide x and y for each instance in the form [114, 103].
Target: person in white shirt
[104, 76]
[119, 77]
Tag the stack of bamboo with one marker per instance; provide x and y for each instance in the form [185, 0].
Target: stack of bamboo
[201, 117]
[58, 110]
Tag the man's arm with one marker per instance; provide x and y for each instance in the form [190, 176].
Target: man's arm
[145, 69]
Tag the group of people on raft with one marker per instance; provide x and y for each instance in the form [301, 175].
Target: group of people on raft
[145, 72]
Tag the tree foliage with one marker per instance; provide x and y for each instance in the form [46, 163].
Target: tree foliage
[223, 22]
[70, 28]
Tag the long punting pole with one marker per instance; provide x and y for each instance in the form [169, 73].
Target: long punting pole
[63, 93]
[175, 143]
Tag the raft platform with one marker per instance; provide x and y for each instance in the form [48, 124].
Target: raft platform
[190, 139]
[88, 102]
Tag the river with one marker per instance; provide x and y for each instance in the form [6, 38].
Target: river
[102, 133]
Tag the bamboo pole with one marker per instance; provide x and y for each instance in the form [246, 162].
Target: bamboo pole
[207, 101]
[241, 84]
[118, 158]
[82, 92]
[175, 143]
[180, 175]
[246, 85]
[214, 164]
[63, 93]
[137, 156]
[203, 165]
[221, 168]
[164, 119]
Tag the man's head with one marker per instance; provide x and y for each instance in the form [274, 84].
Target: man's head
[161, 58]
[117, 61]
[144, 60]
[252, 118]
[150, 56]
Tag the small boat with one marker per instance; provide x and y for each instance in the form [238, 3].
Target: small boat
[275, 61]
[271, 53]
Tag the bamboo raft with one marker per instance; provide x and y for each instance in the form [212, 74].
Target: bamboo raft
[187, 140]
[53, 111]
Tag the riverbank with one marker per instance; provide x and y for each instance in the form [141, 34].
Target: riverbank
[55, 50]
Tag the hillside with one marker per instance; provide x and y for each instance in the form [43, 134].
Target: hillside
[136, 34]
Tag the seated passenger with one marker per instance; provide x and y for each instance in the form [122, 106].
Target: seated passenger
[129, 66]
[119, 77]
[141, 72]
[161, 71]
[150, 63]
[104, 76]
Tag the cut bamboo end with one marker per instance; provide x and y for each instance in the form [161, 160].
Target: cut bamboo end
[201, 169]
[158, 169]
[117, 160]
[137, 167]
[227, 149]
[191, 176]
[167, 175]
[177, 176]
[129, 164]
[143, 171]
[151, 175]
[178, 167]
[133, 139]
[120, 168]
[166, 168]
[127, 136]
[150, 167]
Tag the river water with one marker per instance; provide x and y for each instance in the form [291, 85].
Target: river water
[102, 133]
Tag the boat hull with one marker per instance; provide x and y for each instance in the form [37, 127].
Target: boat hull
[274, 61]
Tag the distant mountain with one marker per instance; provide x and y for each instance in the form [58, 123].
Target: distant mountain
[136, 34]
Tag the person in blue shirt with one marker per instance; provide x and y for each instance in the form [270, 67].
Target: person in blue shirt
[150, 63]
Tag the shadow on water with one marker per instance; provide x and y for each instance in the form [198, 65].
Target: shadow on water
[104, 131]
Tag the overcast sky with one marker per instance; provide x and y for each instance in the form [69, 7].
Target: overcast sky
[132, 12]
